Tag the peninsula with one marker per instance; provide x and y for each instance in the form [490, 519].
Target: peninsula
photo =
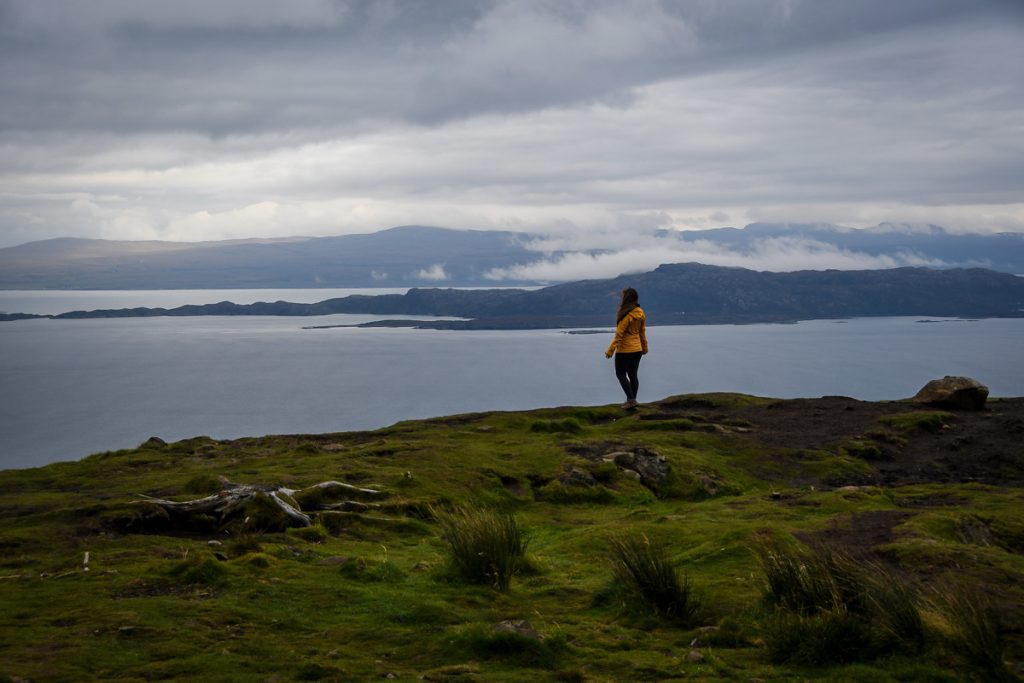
[686, 293]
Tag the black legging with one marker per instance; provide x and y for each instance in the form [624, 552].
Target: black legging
[626, 367]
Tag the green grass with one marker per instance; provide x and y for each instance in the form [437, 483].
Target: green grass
[928, 421]
[363, 594]
[483, 546]
[645, 569]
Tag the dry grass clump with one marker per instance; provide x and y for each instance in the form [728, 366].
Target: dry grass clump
[969, 626]
[645, 570]
[833, 608]
[484, 546]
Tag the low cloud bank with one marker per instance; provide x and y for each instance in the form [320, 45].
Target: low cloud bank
[436, 273]
[780, 254]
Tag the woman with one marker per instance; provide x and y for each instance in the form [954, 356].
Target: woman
[629, 345]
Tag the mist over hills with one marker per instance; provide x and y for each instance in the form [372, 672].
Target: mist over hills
[412, 256]
[1000, 251]
[402, 256]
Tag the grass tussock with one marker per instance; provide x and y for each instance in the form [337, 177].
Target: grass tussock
[484, 642]
[833, 608]
[970, 627]
[198, 572]
[644, 569]
[829, 637]
[484, 546]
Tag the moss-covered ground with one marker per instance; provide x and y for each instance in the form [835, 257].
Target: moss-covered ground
[370, 596]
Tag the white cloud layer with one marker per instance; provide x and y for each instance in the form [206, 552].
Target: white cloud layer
[435, 273]
[770, 254]
[595, 122]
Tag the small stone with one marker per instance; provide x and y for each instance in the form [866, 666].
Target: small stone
[708, 483]
[334, 560]
[214, 543]
[697, 642]
[776, 495]
[574, 476]
[421, 566]
[694, 657]
[621, 458]
[518, 627]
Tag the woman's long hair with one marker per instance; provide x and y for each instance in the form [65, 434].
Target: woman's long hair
[630, 300]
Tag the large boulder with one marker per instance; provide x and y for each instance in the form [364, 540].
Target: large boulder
[957, 392]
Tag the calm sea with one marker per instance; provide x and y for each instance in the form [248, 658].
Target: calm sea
[75, 387]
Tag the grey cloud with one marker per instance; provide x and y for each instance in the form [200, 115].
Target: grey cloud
[559, 115]
[229, 68]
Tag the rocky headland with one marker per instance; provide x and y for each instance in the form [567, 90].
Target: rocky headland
[330, 556]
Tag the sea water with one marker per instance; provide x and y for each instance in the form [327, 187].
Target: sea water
[75, 387]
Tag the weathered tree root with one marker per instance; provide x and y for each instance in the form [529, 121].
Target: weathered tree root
[238, 499]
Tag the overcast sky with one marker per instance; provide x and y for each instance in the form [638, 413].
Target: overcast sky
[594, 121]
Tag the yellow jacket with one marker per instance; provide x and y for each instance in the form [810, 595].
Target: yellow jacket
[630, 334]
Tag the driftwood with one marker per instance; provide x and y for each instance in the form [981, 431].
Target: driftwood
[290, 505]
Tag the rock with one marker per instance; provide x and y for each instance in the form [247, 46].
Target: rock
[694, 657]
[153, 442]
[214, 543]
[621, 458]
[574, 476]
[334, 561]
[653, 468]
[958, 392]
[520, 628]
[710, 484]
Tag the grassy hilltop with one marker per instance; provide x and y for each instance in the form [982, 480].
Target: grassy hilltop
[704, 537]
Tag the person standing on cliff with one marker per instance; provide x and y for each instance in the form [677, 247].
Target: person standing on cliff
[629, 345]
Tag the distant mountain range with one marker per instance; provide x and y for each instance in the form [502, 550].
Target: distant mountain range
[671, 294]
[404, 256]
[413, 256]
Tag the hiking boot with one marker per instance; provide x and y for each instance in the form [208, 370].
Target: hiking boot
[631, 404]
[627, 405]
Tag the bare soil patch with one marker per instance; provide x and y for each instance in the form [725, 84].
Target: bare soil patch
[974, 446]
